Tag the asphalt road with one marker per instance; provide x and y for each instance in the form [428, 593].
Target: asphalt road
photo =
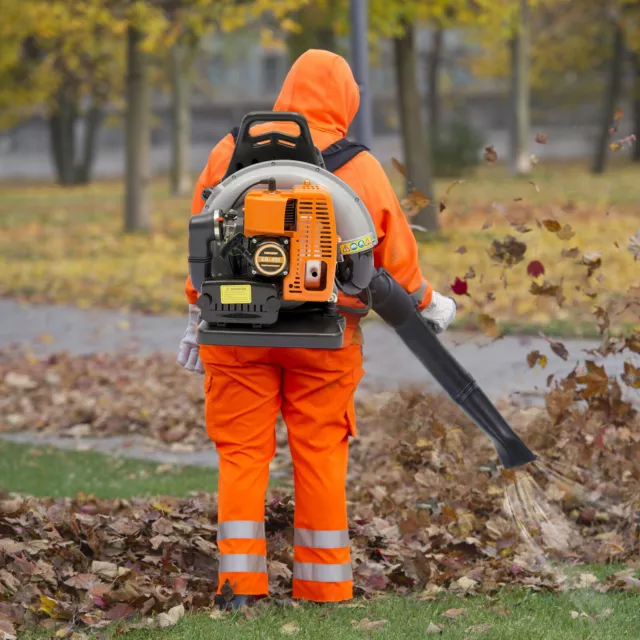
[500, 367]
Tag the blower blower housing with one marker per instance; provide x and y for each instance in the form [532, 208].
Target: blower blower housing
[275, 242]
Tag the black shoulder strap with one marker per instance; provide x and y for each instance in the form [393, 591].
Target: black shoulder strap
[341, 152]
[335, 156]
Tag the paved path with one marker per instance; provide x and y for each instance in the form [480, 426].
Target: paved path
[500, 367]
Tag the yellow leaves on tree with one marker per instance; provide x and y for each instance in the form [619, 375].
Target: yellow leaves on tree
[81, 43]
[46, 43]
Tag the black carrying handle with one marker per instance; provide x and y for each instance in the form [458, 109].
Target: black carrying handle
[269, 145]
[257, 117]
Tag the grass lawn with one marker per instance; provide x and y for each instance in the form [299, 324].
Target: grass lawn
[66, 246]
[45, 471]
[575, 615]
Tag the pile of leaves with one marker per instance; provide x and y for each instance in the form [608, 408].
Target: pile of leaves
[103, 395]
[428, 501]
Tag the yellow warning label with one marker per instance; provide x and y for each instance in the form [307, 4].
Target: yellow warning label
[355, 246]
[235, 294]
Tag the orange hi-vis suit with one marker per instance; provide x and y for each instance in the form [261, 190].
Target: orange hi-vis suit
[247, 387]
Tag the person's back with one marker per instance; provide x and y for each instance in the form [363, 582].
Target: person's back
[247, 387]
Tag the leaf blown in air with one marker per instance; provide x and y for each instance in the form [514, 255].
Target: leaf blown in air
[490, 154]
[460, 287]
[535, 268]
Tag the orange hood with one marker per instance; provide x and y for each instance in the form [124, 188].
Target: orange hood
[321, 86]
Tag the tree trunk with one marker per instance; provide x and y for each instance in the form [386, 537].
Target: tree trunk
[138, 169]
[636, 106]
[180, 121]
[93, 120]
[520, 93]
[611, 97]
[414, 143]
[433, 83]
[62, 135]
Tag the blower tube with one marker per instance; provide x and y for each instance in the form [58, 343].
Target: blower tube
[396, 307]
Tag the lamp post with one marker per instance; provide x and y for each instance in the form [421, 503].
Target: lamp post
[363, 122]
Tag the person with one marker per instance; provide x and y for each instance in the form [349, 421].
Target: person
[246, 388]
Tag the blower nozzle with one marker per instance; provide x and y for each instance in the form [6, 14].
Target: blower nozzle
[396, 307]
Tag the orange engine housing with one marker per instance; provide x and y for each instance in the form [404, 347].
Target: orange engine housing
[305, 215]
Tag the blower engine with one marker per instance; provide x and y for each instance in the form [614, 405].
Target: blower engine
[275, 242]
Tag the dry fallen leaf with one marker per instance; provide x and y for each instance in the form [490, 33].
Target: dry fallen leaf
[574, 252]
[566, 233]
[488, 325]
[509, 251]
[535, 268]
[433, 628]
[290, 628]
[398, 166]
[480, 628]
[467, 583]
[634, 245]
[171, 617]
[453, 185]
[452, 614]
[459, 287]
[107, 570]
[369, 625]
[552, 225]
[631, 375]
[535, 357]
[490, 154]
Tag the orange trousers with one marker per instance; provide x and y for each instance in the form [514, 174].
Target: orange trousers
[245, 391]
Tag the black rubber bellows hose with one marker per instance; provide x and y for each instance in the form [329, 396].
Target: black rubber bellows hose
[396, 307]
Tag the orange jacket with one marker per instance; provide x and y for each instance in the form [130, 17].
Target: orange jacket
[321, 86]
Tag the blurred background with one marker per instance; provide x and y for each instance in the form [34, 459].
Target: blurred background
[482, 71]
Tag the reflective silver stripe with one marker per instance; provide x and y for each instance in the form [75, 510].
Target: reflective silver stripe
[241, 529]
[321, 539]
[242, 563]
[322, 572]
[419, 294]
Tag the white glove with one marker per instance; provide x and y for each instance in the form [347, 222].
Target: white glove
[189, 354]
[440, 312]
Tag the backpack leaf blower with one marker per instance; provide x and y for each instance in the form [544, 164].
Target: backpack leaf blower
[276, 242]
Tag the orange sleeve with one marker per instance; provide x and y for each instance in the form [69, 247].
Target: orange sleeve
[210, 176]
[397, 249]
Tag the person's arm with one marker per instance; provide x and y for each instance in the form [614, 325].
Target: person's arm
[397, 249]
